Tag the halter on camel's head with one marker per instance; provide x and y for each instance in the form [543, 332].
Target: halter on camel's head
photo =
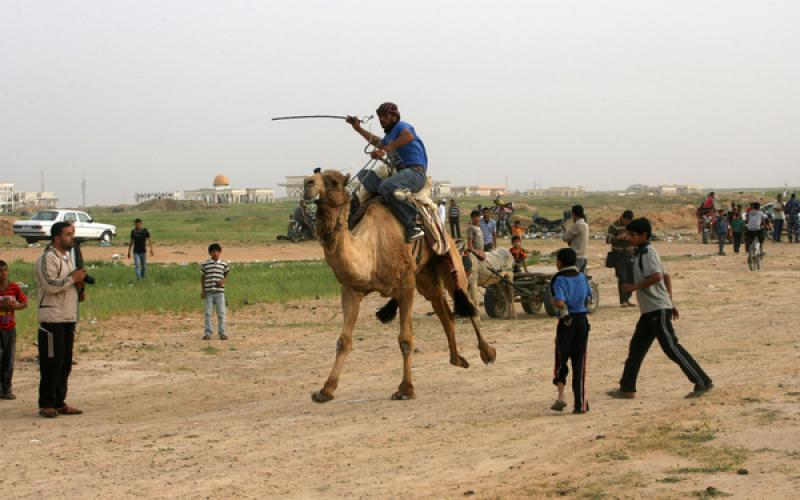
[328, 187]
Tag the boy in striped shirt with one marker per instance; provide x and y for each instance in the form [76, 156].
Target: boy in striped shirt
[11, 299]
[212, 280]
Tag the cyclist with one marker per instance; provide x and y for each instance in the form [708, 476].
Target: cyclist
[756, 223]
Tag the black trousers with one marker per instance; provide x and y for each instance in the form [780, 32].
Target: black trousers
[455, 228]
[658, 325]
[55, 362]
[737, 242]
[8, 346]
[623, 268]
[572, 337]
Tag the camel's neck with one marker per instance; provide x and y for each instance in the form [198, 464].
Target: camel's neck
[332, 229]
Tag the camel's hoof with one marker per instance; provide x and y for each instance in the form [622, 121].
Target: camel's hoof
[398, 396]
[488, 355]
[320, 397]
[463, 363]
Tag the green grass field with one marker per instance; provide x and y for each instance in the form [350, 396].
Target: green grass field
[192, 222]
[176, 288]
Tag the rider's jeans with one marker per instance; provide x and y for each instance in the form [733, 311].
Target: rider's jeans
[407, 178]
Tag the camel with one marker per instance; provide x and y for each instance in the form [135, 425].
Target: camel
[374, 257]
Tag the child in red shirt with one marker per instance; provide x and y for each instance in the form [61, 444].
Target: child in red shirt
[520, 257]
[11, 299]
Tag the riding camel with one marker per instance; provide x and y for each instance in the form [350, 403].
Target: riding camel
[374, 257]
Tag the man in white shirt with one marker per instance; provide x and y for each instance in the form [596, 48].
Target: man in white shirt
[754, 222]
[577, 236]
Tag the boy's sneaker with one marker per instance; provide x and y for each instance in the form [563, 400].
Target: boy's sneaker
[697, 392]
[206, 337]
[619, 394]
[8, 396]
[222, 336]
[558, 405]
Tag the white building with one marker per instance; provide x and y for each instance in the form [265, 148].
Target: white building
[163, 195]
[6, 197]
[222, 194]
[11, 199]
[562, 191]
[293, 186]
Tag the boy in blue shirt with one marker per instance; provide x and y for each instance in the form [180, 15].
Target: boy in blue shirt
[406, 152]
[570, 291]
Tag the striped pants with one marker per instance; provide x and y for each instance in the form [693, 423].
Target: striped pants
[658, 325]
[572, 337]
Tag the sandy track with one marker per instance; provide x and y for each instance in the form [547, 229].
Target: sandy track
[167, 419]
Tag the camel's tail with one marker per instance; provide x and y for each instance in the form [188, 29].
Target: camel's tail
[387, 313]
[463, 306]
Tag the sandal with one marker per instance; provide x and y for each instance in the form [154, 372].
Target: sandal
[48, 413]
[68, 410]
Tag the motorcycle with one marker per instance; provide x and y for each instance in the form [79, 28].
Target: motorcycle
[296, 232]
[545, 225]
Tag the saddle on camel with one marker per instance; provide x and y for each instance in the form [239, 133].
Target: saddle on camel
[372, 252]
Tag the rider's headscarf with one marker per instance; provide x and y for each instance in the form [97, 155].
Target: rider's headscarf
[389, 108]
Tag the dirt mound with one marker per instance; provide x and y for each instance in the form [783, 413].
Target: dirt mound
[678, 218]
[6, 226]
[169, 205]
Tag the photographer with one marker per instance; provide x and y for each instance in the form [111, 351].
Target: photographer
[59, 283]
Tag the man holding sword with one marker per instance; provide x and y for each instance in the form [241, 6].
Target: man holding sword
[406, 152]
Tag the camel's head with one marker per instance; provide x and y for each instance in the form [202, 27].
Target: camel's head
[327, 187]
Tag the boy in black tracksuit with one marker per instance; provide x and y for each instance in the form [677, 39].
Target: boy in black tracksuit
[570, 291]
[653, 288]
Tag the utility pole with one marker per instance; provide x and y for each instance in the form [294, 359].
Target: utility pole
[41, 181]
[83, 190]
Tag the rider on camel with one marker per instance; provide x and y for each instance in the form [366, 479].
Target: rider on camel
[406, 152]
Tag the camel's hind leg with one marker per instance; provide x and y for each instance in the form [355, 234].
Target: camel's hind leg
[488, 353]
[430, 286]
[351, 300]
[406, 341]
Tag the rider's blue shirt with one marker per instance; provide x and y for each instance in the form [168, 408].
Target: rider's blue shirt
[412, 153]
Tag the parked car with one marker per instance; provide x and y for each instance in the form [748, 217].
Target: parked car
[38, 227]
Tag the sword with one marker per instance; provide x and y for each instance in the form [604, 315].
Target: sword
[363, 119]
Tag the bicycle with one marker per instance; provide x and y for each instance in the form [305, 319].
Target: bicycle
[754, 255]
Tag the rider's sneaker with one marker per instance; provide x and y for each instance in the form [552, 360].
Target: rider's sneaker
[414, 234]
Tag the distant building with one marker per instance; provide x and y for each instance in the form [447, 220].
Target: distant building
[664, 189]
[164, 195]
[221, 193]
[482, 190]
[11, 199]
[35, 199]
[6, 197]
[293, 186]
[561, 191]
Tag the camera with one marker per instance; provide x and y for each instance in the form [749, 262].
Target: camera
[89, 280]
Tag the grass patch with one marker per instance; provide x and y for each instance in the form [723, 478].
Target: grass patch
[611, 455]
[693, 443]
[173, 288]
[209, 350]
[710, 492]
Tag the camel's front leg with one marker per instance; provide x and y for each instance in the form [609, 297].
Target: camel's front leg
[406, 341]
[351, 300]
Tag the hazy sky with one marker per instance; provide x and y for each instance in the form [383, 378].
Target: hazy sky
[160, 95]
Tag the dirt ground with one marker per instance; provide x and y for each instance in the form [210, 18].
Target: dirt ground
[171, 416]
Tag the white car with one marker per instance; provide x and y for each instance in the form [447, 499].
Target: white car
[38, 227]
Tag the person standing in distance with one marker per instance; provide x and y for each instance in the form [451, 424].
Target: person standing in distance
[140, 238]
